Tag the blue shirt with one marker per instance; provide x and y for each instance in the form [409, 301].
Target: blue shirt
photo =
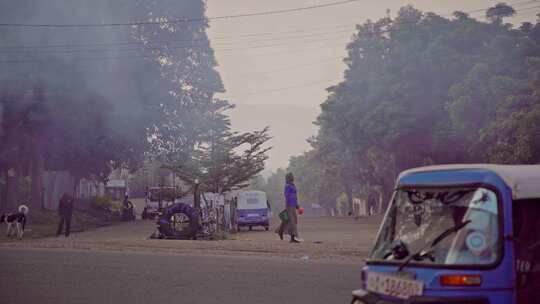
[290, 195]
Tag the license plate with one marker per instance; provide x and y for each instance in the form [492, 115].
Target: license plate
[395, 286]
[252, 215]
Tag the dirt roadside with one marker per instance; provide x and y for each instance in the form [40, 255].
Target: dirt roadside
[325, 238]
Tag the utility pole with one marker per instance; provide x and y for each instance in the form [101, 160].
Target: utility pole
[196, 195]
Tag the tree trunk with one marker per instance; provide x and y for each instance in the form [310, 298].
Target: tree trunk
[349, 192]
[386, 195]
[196, 197]
[3, 193]
[37, 179]
[50, 186]
[76, 179]
[12, 192]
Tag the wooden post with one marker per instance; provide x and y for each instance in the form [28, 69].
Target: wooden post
[37, 179]
[196, 195]
[12, 186]
[3, 194]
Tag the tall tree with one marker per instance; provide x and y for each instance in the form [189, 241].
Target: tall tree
[500, 11]
[222, 159]
[102, 91]
[421, 89]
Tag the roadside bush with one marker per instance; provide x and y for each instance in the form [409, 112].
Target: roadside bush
[101, 203]
[105, 206]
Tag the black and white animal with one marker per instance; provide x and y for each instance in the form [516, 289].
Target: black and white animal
[15, 222]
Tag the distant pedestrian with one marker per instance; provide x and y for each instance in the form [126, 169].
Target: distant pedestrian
[65, 211]
[290, 225]
[372, 202]
[128, 210]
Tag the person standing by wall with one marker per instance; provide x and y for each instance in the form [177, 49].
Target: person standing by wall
[65, 211]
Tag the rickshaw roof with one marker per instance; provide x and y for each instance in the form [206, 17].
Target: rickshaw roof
[523, 180]
[159, 188]
[253, 192]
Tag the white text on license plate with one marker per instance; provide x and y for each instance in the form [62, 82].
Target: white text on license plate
[394, 286]
[252, 215]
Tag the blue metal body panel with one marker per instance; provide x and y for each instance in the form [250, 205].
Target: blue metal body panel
[498, 280]
[252, 217]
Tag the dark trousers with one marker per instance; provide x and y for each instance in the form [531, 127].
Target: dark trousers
[292, 224]
[65, 218]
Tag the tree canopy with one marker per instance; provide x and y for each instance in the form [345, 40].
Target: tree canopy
[91, 99]
[422, 89]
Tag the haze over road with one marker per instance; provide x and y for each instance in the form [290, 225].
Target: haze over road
[80, 276]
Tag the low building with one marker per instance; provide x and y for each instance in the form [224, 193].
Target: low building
[116, 189]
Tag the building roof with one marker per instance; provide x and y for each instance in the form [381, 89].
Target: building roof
[524, 180]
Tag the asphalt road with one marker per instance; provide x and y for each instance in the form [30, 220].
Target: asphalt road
[89, 276]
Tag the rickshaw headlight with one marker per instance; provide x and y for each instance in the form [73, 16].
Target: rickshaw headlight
[357, 295]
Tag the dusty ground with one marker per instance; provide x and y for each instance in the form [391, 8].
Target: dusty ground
[325, 238]
[43, 223]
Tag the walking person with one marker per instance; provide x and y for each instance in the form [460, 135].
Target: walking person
[290, 225]
[65, 211]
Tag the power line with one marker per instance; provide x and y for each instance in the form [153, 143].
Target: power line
[515, 3]
[294, 67]
[148, 47]
[308, 84]
[394, 30]
[267, 72]
[82, 59]
[528, 8]
[338, 46]
[263, 46]
[186, 20]
[227, 37]
[194, 46]
[530, 14]
[75, 45]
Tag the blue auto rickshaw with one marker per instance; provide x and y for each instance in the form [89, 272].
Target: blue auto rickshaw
[458, 234]
[253, 209]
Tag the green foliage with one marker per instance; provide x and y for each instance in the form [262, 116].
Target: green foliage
[274, 187]
[499, 11]
[101, 203]
[89, 117]
[422, 89]
[194, 138]
[220, 158]
[80, 116]
[314, 183]
[257, 182]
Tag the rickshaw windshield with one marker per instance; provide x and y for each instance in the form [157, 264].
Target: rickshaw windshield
[418, 217]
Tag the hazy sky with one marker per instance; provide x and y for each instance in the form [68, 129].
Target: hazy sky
[276, 68]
